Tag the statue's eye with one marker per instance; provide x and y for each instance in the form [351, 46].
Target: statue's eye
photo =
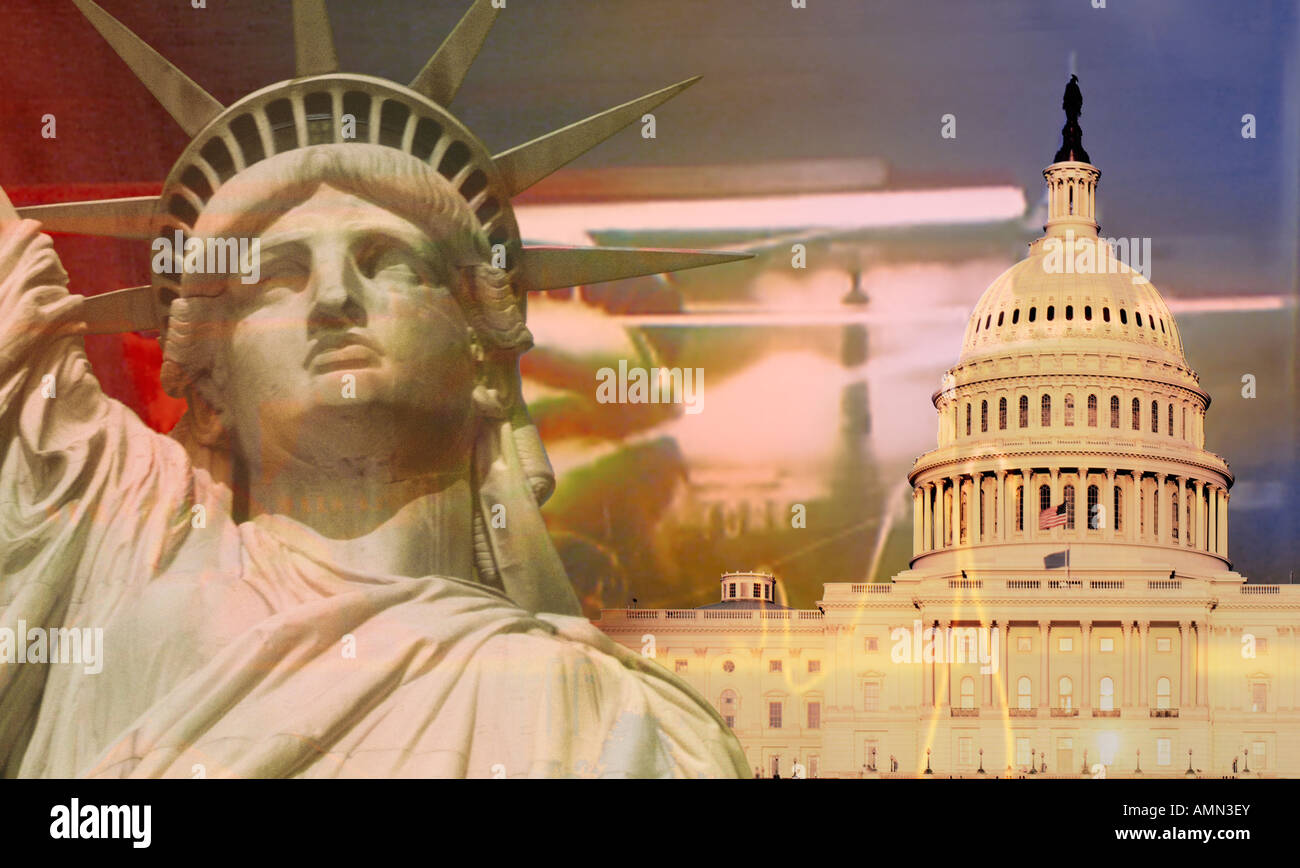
[392, 262]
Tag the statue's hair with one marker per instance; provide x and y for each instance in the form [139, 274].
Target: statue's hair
[249, 202]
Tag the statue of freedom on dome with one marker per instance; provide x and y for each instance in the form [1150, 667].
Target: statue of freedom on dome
[335, 565]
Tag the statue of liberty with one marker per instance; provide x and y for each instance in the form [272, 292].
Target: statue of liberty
[335, 565]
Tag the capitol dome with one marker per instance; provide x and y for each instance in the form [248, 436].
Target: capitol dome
[1071, 429]
[1038, 300]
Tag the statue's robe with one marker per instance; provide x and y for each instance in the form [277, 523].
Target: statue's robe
[241, 650]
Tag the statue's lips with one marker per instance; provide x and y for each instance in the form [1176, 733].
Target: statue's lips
[333, 354]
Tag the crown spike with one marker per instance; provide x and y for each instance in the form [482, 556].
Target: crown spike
[313, 39]
[123, 310]
[526, 164]
[443, 74]
[543, 268]
[190, 105]
[7, 211]
[108, 218]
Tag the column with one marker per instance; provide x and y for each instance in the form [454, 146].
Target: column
[1185, 514]
[1212, 511]
[1003, 512]
[977, 508]
[1162, 509]
[1133, 518]
[955, 512]
[918, 524]
[1087, 667]
[1027, 500]
[1056, 487]
[1143, 627]
[1185, 664]
[1126, 682]
[945, 684]
[1108, 504]
[1202, 663]
[1044, 637]
[1006, 657]
[1200, 514]
[1223, 522]
[927, 679]
[986, 688]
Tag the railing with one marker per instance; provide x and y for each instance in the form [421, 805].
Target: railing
[641, 614]
[965, 712]
[727, 615]
[1261, 589]
[680, 614]
[1022, 712]
[1164, 712]
[1164, 584]
[1059, 584]
[1065, 712]
[1107, 584]
[1101, 712]
[1023, 584]
[873, 588]
[965, 583]
[810, 616]
[779, 614]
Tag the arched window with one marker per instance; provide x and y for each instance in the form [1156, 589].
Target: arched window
[1162, 326]
[1118, 512]
[1065, 692]
[1033, 311]
[1137, 316]
[1044, 497]
[1105, 314]
[984, 416]
[1047, 411]
[1187, 502]
[1114, 411]
[988, 320]
[728, 706]
[1023, 694]
[1001, 314]
[1173, 521]
[1051, 312]
[1094, 508]
[1002, 414]
[1015, 316]
[1137, 415]
[1162, 693]
[968, 692]
[1069, 507]
[1069, 410]
[1171, 420]
[1092, 411]
[1107, 694]
[1024, 411]
[1020, 507]
[1155, 417]
[1087, 312]
[1069, 312]
[968, 418]
[1123, 316]
[1182, 428]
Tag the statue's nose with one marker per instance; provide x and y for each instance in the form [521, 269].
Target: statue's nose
[338, 290]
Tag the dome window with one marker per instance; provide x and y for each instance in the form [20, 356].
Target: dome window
[977, 326]
[1092, 411]
[1137, 415]
[1123, 316]
[1047, 411]
[1105, 314]
[1162, 327]
[988, 320]
[1155, 417]
[1114, 411]
[1151, 321]
[1069, 312]
[1137, 315]
[1015, 316]
[1032, 312]
[1024, 411]
[1002, 415]
[1001, 314]
[1051, 312]
[984, 416]
[1087, 313]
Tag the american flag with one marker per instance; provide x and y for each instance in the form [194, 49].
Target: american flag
[1053, 516]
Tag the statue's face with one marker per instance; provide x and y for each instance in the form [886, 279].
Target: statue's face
[351, 347]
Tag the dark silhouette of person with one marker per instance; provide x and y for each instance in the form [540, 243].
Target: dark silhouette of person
[1071, 133]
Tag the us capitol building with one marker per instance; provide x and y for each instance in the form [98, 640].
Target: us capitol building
[1070, 605]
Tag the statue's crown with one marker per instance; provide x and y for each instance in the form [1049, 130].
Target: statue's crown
[324, 106]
